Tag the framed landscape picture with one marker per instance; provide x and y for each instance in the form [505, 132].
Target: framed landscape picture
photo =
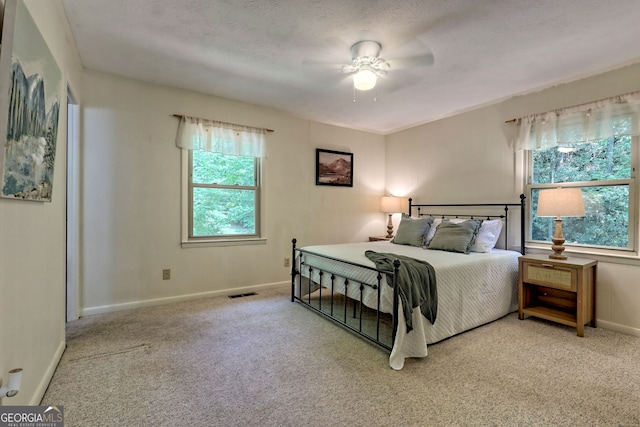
[334, 168]
[30, 88]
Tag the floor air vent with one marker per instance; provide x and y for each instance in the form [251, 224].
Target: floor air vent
[242, 295]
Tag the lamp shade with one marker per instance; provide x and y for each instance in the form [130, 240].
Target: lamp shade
[560, 202]
[391, 204]
[364, 79]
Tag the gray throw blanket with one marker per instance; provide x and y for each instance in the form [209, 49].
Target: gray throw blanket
[416, 281]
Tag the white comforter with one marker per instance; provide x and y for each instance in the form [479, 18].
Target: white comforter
[473, 289]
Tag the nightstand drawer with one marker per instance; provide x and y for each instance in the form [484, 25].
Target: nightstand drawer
[550, 275]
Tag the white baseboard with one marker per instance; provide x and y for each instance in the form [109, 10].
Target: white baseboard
[618, 327]
[46, 378]
[159, 301]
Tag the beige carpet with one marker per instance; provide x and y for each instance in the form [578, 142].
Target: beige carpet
[264, 361]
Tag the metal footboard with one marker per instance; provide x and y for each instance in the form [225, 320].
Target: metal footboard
[366, 321]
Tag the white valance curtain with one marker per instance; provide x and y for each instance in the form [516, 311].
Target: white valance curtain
[220, 137]
[616, 116]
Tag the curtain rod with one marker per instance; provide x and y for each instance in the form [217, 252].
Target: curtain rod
[226, 123]
[580, 105]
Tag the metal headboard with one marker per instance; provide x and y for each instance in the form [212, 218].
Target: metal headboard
[505, 208]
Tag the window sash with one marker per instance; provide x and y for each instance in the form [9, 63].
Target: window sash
[615, 146]
[256, 211]
[632, 228]
[631, 214]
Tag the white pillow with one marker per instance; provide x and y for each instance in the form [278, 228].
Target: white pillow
[432, 231]
[487, 236]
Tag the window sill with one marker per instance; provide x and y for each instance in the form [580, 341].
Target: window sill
[623, 257]
[222, 242]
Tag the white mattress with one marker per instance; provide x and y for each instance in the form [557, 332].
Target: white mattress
[473, 289]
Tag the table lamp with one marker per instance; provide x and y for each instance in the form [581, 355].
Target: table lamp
[559, 202]
[390, 205]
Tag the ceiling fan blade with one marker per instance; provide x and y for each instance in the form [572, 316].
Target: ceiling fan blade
[410, 54]
[395, 81]
[328, 54]
[415, 61]
[321, 66]
[325, 72]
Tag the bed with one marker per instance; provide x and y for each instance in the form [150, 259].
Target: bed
[474, 279]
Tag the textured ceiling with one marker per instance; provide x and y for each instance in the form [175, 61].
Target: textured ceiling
[268, 52]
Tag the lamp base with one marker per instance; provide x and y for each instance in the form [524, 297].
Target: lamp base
[558, 241]
[390, 228]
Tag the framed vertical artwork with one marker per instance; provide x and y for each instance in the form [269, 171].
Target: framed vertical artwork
[334, 168]
[30, 92]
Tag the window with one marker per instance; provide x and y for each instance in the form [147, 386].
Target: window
[604, 170]
[593, 147]
[220, 182]
[224, 195]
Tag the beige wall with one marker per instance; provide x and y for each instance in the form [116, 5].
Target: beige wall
[468, 157]
[32, 246]
[132, 171]
[131, 195]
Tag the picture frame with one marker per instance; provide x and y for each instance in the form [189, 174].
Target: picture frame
[334, 168]
[31, 83]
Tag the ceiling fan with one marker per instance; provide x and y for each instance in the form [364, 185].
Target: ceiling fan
[367, 64]
[404, 64]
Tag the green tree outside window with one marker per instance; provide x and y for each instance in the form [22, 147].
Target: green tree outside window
[603, 170]
[224, 191]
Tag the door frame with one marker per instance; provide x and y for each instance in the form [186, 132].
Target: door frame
[73, 209]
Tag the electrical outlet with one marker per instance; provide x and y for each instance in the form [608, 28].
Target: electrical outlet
[287, 262]
[166, 274]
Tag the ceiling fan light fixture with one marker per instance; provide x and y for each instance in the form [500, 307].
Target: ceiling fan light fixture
[364, 79]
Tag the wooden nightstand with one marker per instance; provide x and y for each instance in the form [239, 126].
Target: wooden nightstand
[379, 238]
[562, 291]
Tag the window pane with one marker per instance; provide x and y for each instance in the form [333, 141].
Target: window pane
[606, 222]
[221, 211]
[216, 168]
[606, 159]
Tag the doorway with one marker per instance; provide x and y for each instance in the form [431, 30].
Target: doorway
[73, 208]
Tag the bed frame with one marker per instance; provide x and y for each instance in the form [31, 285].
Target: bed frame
[364, 321]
